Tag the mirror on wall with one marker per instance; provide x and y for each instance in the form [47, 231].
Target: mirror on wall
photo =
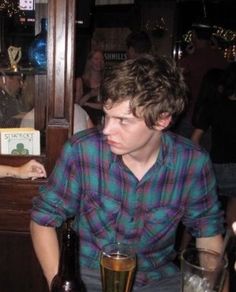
[23, 65]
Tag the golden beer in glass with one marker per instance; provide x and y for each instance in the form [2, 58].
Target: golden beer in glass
[117, 264]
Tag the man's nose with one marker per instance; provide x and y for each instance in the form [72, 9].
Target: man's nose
[107, 127]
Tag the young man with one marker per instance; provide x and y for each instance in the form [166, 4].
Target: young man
[133, 182]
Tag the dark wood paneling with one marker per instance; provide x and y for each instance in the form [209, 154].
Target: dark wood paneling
[56, 137]
[16, 202]
[19, 268]
[60, 79]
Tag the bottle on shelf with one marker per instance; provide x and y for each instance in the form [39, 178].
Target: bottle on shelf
[38, 48]
[68, 277]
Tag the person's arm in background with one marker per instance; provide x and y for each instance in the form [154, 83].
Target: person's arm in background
[31, 169]
[84, 100]
[82, 120]
[89, 123]
[234, 230]
[201, 122]
[80, 97]
[197, 135]
[46, 247]
[95, 105]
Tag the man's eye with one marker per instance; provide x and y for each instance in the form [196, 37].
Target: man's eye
[122, 121]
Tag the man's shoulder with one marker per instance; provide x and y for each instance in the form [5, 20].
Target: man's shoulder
[90, 142]
[181, 153]
[178, 144]
[92, 135]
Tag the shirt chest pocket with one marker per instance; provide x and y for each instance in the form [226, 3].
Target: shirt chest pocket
[99, 212]
[160, 222]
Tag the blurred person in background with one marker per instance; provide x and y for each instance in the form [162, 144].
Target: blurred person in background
[137, 44]
[202, 57]
[10, 103]
[209, 95]
[87, 86]
[221, 117]
[81, 119]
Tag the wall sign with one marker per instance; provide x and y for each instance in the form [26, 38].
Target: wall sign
[26, 4]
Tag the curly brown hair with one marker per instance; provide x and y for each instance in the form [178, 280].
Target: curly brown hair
[154, 86]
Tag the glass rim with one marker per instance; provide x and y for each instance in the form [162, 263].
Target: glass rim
[130, 254]
[224, 260]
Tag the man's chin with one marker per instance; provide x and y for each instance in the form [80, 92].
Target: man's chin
[116, 150]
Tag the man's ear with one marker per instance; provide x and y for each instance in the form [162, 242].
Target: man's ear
[163, 122]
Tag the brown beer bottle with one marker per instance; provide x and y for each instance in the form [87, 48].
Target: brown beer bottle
[68, 277]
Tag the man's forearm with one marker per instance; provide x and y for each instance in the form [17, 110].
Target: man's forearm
[213, 243]
[46, 248]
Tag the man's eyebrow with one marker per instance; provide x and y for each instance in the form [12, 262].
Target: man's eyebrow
[121, 115]
[125, 114]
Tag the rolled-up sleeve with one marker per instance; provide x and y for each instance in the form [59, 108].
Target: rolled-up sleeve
[204, 216]
[58, 199]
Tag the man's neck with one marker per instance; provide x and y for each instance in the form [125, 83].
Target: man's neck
[140, 162]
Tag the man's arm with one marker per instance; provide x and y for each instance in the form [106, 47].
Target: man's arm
[46, 247]
[214, 243]
[197, 135]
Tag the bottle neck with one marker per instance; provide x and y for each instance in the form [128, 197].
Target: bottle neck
[69, 256]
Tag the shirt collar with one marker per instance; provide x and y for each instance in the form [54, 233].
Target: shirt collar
[165, 154]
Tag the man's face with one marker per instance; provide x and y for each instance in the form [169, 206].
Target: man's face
[125, 133]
